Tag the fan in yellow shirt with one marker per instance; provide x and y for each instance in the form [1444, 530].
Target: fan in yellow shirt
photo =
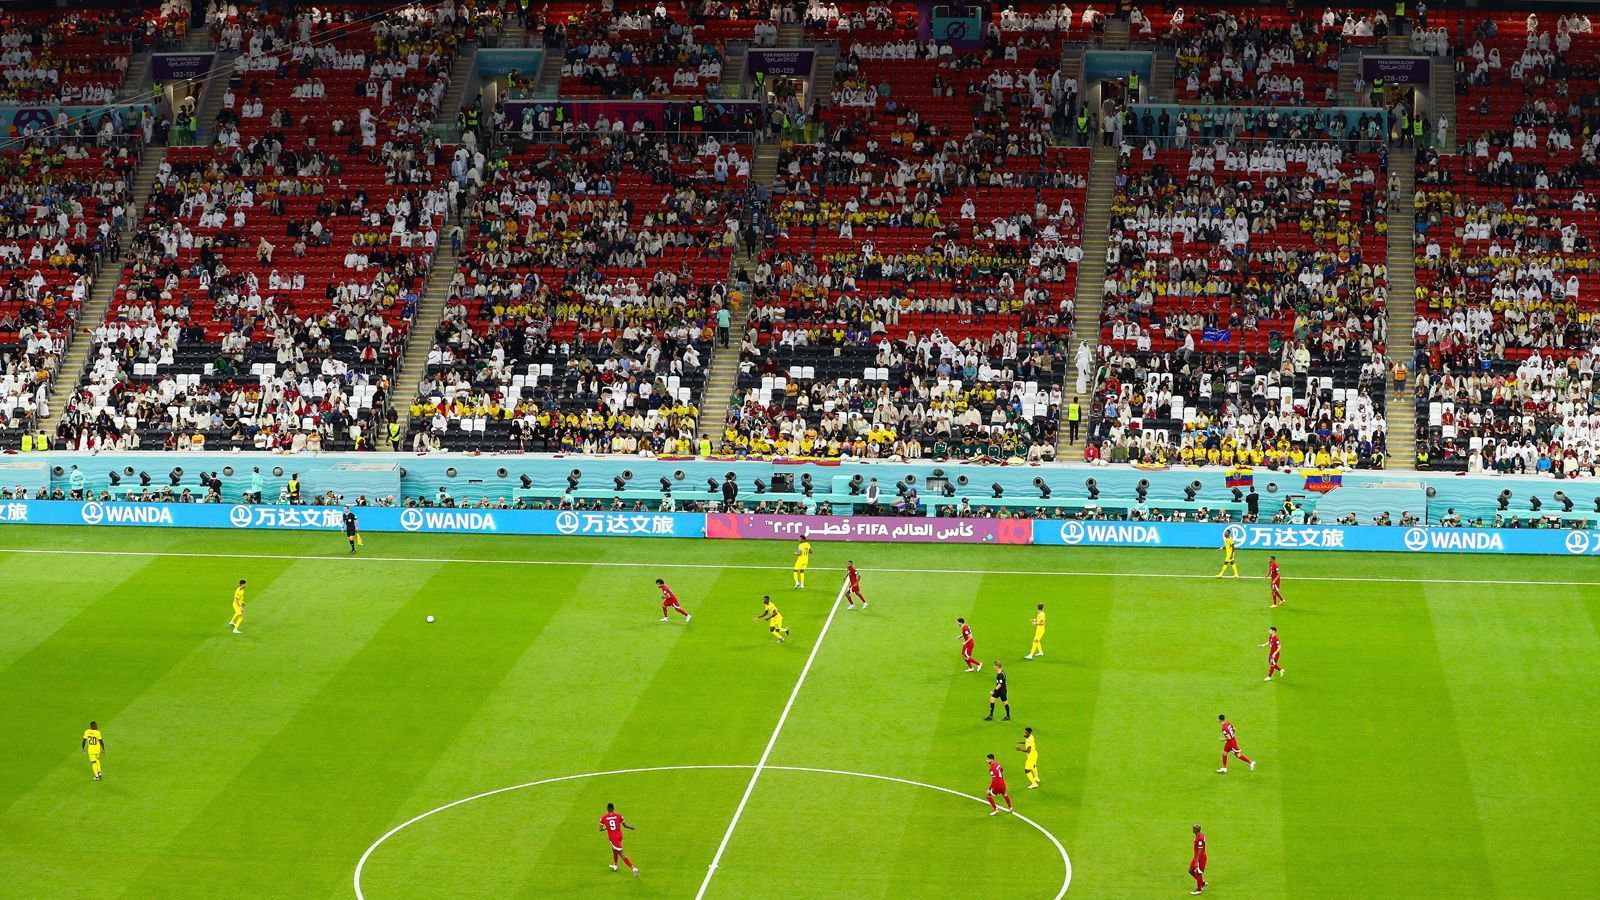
[94, 744]
[1030, 762]
[238, 608]
[1038, 634]
[802, 559]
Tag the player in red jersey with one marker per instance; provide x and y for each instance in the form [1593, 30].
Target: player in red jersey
[612, 824]
[852, 591]
[1197, 862]
[966, 647]
[669, 601]
[1274, 647]
[997, 787]
[1230, 744]
[1274, 579]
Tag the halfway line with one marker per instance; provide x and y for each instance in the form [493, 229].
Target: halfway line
[1054, 573]
[771, 742]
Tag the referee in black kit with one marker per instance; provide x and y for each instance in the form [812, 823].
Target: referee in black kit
[351, 532]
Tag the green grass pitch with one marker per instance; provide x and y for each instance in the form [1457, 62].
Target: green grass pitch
[1435, 733]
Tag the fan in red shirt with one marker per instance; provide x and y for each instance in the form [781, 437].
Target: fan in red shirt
[1276, 580]
[612, 824]
[852, 591]
[966, 647]
[997, 787]
[1274, 647]
[669, 601]
[1197, 862]
[1230, 744]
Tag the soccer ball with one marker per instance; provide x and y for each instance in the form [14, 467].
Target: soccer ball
[430, 620]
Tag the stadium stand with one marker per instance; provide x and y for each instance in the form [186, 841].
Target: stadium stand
[1506, 256]
[903, 286]
[582, 313]
[1244, 315]
[648, 50]
[269, 293]
[916, 295]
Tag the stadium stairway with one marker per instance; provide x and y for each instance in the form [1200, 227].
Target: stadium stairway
[822, 74]
[1349, 68]
[1444, 103]
[80, 340]
[460, 74]
[211, 100]
[1117, 35]
[791, 35]
[733, 69]
[424, 322]
[436, 292]
[549, 86]
[1402, 307]
[1089, 296]
[722, 375]
[133, 80]
[1163, 77]
[513, 34]
[197, 39]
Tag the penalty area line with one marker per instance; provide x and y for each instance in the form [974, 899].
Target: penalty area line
[341, 559]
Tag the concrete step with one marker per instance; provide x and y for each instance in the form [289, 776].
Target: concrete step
[211, 100]
[74, 361]
[722, 370]
[460, 74]
[549, 86]
[1400, 411]
[424, 321]
[134, 80]
[1088, 296]
[197, 39]
[1116, 35]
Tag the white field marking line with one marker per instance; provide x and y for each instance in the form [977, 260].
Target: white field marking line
[749, 789]
[1054, 573]
[1066, 861]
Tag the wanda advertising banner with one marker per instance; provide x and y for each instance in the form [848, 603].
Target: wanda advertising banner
[915, 529]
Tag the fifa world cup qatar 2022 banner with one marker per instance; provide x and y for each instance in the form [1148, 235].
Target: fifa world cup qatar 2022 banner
[914, 529]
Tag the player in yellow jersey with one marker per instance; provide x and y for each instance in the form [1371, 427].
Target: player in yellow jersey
[1030, 763]
[1038, 634]
[238, 608]
[769, 611]
[94, 744]
[1228, 560]
[802, 559]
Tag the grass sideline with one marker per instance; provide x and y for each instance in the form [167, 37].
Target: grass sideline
[1430, 735]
